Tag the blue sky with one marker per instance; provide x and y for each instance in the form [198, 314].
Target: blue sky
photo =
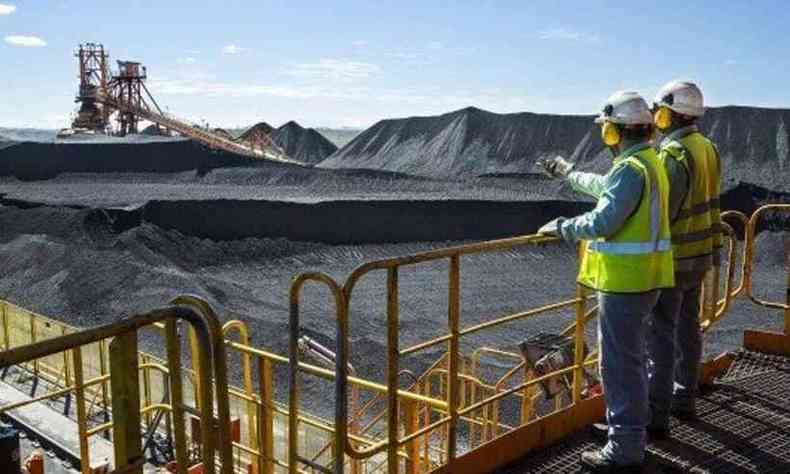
[352, 63]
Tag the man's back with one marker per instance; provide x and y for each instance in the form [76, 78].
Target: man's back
[696, 215]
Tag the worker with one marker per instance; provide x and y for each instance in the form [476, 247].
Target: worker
[628, 260]
[693, 169]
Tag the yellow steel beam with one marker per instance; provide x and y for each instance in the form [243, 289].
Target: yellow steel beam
[393, 334]
[578, 359]
[82, 417]
[246, 361]
[453, 321]
[124, 381]
[176, 395]
[266, 417]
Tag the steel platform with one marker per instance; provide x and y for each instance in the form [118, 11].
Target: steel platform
[743, 427]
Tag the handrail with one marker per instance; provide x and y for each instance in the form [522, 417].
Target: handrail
[743, 219]
[392, 443]
[244, 338]
[341, 366]
[751, 232]
[220, 365]
[72, 388]
[205, 325]
[721, 306]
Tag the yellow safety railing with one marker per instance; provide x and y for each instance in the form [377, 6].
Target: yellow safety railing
[124, 379]
[749, 259]
[458, 398]
[82, 372]
[765, 341]
[449, 406]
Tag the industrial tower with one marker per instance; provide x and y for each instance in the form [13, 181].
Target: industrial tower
[94, 70]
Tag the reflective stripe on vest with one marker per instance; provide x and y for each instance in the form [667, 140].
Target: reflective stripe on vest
[698, 209]
[630, 248]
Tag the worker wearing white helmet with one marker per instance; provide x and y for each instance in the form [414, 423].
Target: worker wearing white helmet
[693, 168]
[627, 260]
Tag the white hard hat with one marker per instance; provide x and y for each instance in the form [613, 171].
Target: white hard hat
[683, 97]
[626, 108]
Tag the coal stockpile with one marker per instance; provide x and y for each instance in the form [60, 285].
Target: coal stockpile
[753, 143]
[356, 222]
[332, 206]
[303, 144]
[467, 142]
[36, 160]
[258, 128]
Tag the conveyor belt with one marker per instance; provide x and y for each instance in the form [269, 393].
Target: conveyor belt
[743, 427]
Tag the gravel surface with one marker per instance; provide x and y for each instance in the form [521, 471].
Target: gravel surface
[270, 183]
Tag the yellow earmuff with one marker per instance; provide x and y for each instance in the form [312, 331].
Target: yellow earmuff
[610, 134]
[663, 117]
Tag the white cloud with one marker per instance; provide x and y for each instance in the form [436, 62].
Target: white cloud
[6, 9]
[435, 45]
[566, 34]
[359, 43]
[186, 60]
[730, 62]
[233, 49]
[337, 70]
[25, 41]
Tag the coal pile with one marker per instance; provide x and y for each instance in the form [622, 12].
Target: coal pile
[754, 144]
[37, 160]
[468, 142]
[303, 144]
[260, 127]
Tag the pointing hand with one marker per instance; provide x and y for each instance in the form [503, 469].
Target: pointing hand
[556, 167]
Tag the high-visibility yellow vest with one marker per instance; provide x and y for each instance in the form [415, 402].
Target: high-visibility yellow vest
[638, 257]
[696, 232]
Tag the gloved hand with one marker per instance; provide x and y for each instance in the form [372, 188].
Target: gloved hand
[556, 167]
[552, 228]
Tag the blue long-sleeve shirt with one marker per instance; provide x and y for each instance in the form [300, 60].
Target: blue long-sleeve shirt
[618, 193]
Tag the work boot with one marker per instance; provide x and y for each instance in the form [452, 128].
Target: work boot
[655, 433]
[595, 461]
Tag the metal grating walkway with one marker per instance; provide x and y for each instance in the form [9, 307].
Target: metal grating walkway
[743, 427]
